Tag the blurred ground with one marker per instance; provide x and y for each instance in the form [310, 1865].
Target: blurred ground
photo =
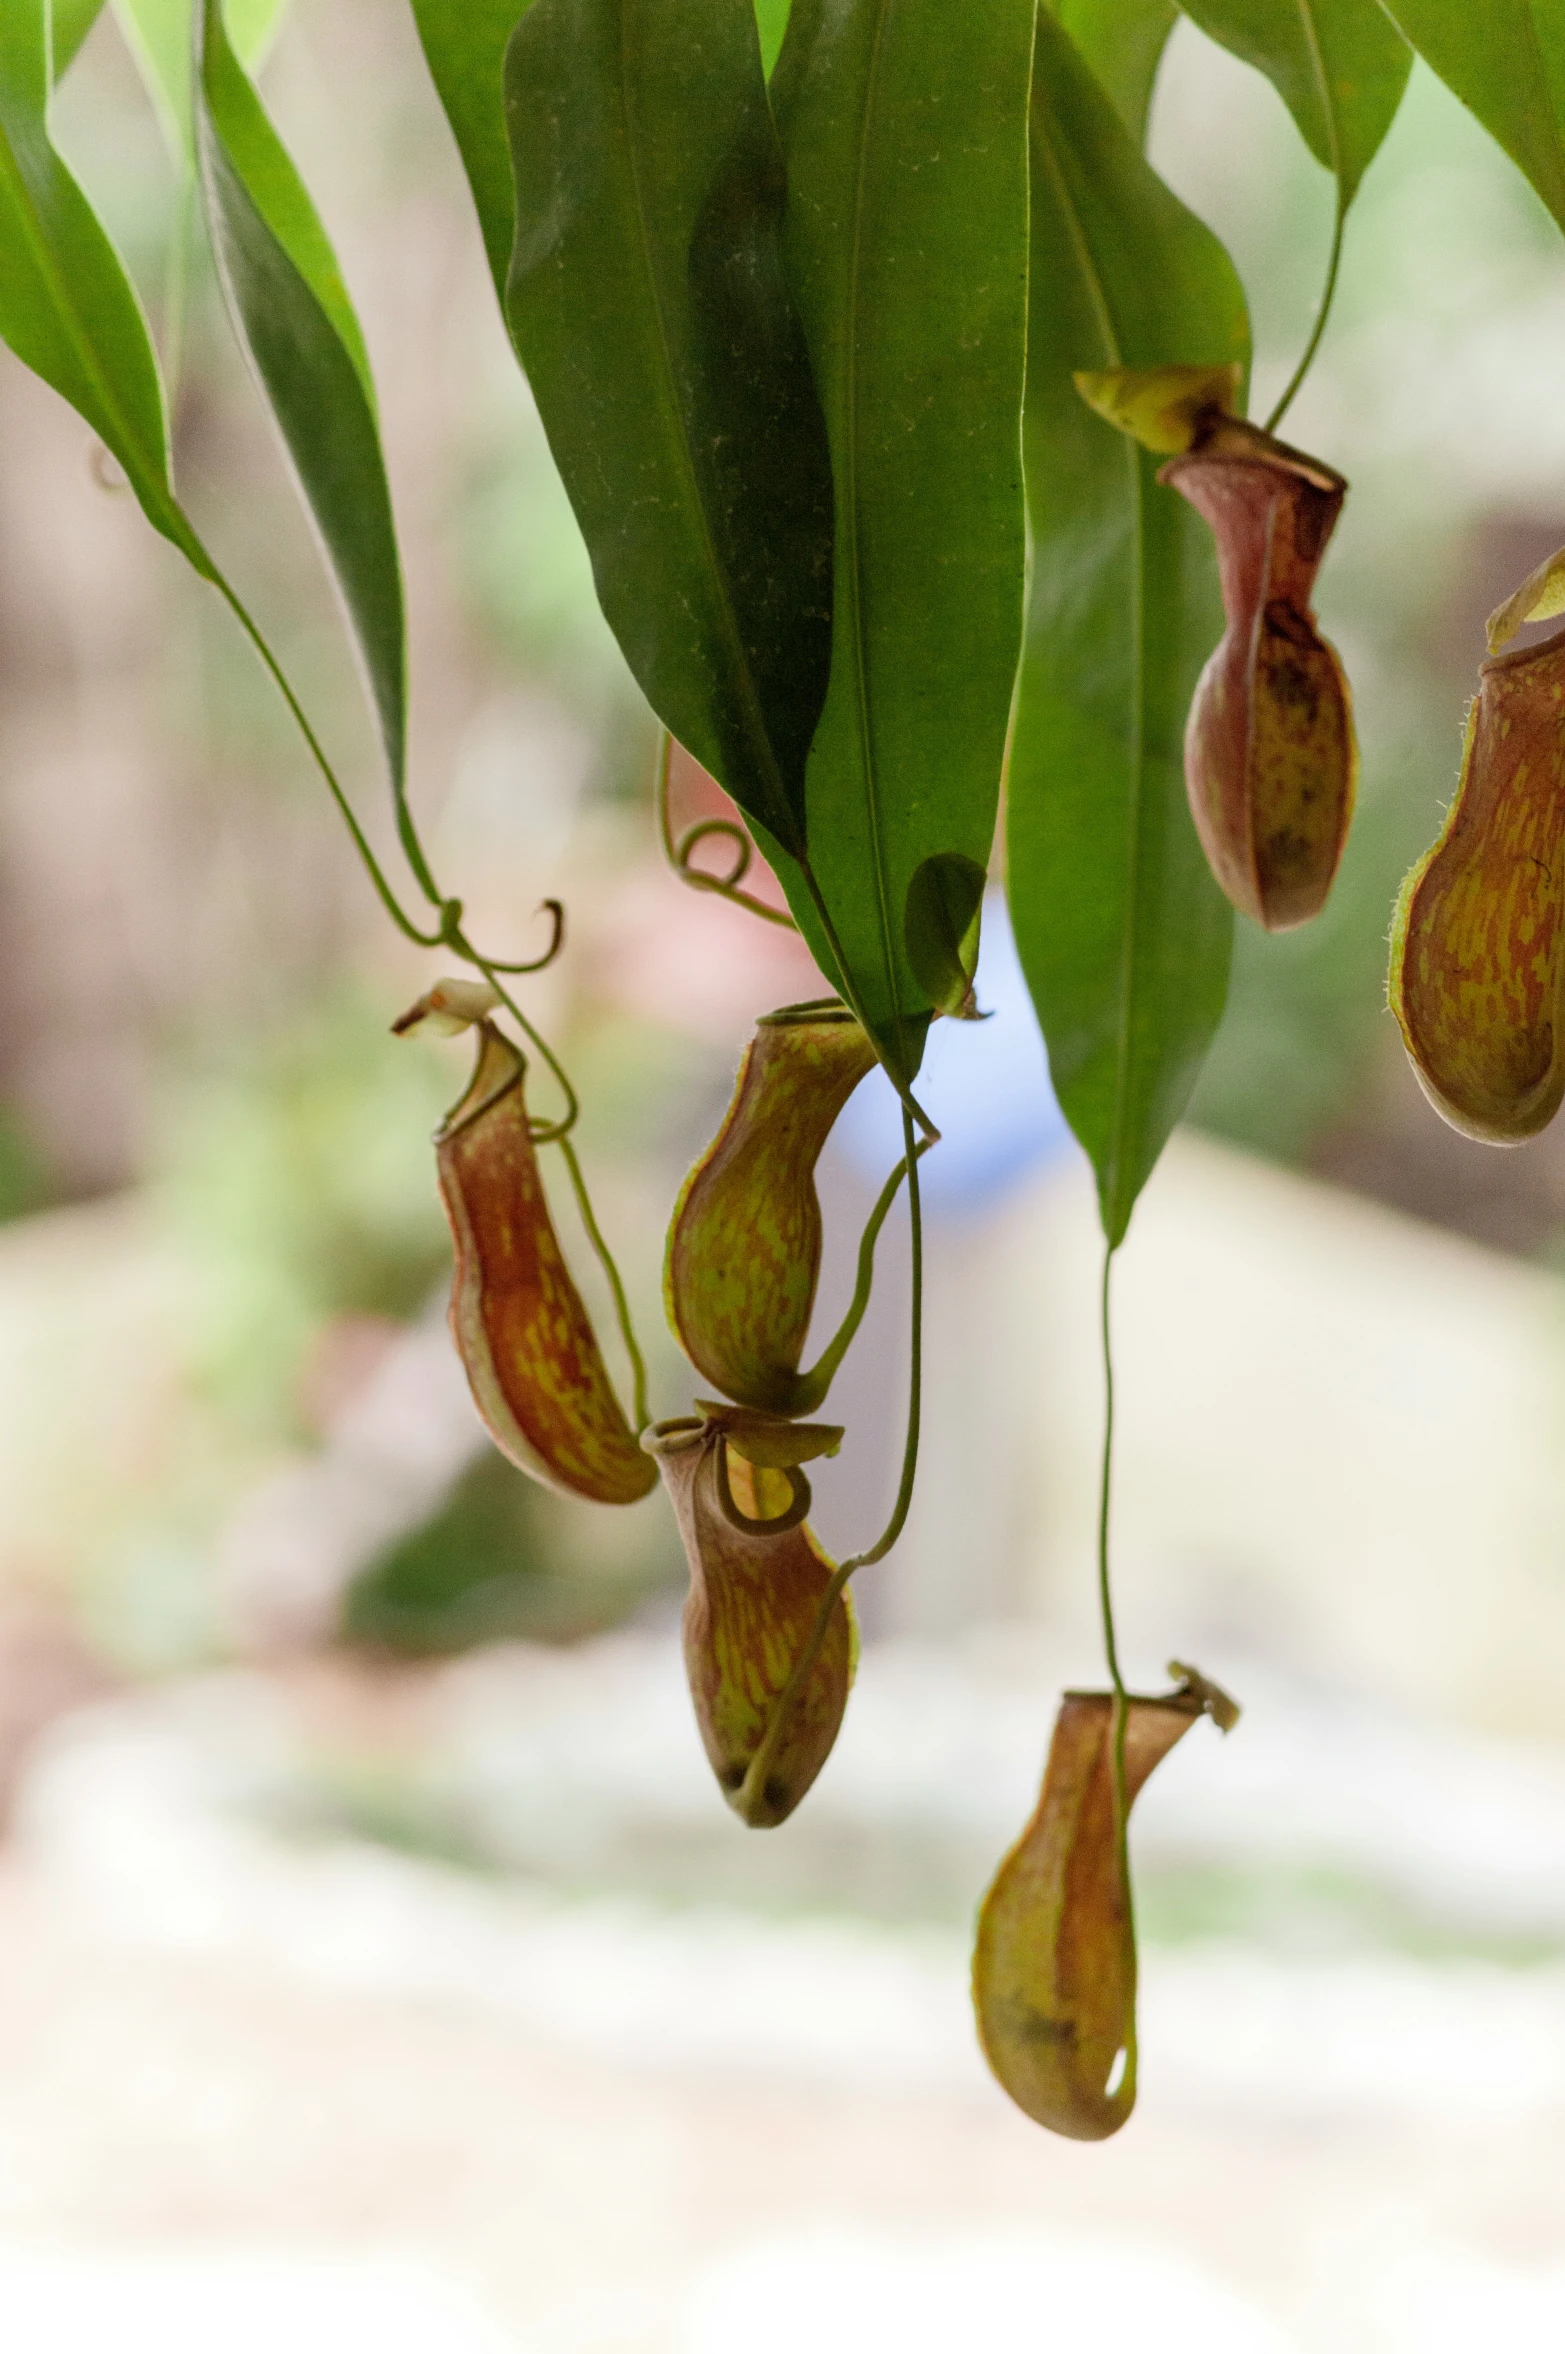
[517, 2116]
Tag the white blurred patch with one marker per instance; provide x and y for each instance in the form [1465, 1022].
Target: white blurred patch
[840, 2291]
[190, 2300]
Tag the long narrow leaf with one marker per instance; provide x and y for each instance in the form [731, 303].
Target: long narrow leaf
[160, 36]
[1124, 936]
[464, 48]
[1339, 66]
[905, 134]
[67, 308]
[1505, 60]
[647, 300]
[1123, 42]
[294, 317]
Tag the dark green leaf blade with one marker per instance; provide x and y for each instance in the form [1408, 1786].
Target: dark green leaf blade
[1505, 60]
[464, 47]
[906, 244]
[1123, 935]
[67, 308]
[294, 317]
[648, 303]
[1123, 42]
[1339, 66]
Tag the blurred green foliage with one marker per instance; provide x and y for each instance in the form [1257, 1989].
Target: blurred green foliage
[522, 561]
[26, 1179]
[297, 1168]
[1306, 1009]
[493, 1564]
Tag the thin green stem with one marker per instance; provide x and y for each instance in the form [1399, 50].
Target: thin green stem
[537, 964]
[176, 291]
[412, 847]
[1321, 316]
[823, 1372]
[558, 1132]
[910, 1104]
[678, 853]
[760, 1766]
[1120, 1716]
[275, 671]
[627, 1330]
[1105, 1593]
[726, 886]
[451, 935]
[547, 1132]
[915, 1383]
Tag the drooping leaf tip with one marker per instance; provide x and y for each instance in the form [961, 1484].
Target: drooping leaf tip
[940, 924]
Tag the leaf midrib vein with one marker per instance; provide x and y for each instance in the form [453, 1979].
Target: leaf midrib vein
[1323, 83]
[1130, 945]
[751, 700]
[853, 549]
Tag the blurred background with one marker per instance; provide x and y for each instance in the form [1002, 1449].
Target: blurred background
[378, 1965]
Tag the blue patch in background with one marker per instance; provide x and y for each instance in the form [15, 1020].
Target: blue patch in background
[986, 1087]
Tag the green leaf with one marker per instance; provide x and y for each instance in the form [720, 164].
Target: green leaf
[1123, 934]
[648, 303]
[67, 308]
[945, 904]
[72, 21]
[1505, 60]
[293, 316]
[1123, 42]
[464, 48]
[906, 243]
[160, 37]
[1339, 66]
[771, 18]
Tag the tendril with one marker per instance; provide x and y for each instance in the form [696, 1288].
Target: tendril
[1322, 314]
[449, 933]
[640, 1414]
[1120, 1717]
[678, 851]
[555, 910]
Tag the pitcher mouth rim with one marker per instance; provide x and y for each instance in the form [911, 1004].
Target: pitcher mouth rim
[1517, 657]
[674, 1432]
[809, 1009]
